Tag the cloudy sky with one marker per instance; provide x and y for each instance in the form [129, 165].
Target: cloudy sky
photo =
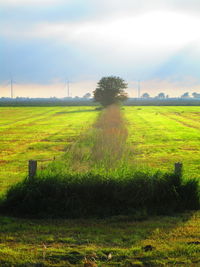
[45, 42]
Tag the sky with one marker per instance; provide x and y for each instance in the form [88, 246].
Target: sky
[43, 43]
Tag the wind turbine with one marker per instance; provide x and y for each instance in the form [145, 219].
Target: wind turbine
[12, 82]
[139, 89]
[67, 86]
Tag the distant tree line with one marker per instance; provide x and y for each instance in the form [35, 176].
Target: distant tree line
[109, 90]
[45, 102]
[164, 96]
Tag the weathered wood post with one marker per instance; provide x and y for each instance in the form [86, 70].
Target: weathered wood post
[32, 168]
[178, 168]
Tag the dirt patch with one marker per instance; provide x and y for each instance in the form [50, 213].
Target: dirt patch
[3, 161]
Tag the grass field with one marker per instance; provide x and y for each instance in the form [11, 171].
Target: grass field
[174, 241]
[37, 133]
[161, 136]
[157, 137]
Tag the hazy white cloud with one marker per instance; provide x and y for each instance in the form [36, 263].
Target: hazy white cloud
[15, 3]
[151, 29]
[150, 36]
[130, 38]
[117, 6]
[110, 7]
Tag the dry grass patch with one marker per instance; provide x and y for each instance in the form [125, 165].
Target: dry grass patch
[111, 136]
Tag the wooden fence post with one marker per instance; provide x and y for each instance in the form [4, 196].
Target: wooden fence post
[178, 168]
[32, 168]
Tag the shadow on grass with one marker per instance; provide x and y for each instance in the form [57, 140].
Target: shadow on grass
[76, 195]
[74, 111]
[126, 239]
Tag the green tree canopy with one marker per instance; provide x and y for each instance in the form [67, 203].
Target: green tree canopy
[110, 90]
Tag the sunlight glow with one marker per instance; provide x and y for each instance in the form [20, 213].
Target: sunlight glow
[156, 30]
[151, 30]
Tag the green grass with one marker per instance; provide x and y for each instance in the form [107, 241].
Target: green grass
[37, 133]
[161, 136]
[65, 195]
[174, 241]
[155, 141]
[158, 137]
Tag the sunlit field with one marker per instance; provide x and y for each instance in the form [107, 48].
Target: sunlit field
[157, 137]
[37, 133]
[82, 140]
[161, 136]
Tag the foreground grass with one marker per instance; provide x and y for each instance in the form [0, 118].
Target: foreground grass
[118, 241]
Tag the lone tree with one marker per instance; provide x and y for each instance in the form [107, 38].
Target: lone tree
[110, 90]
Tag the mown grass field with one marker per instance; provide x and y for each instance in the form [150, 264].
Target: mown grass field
[37, 133]
[157, 137]
[161, 136]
